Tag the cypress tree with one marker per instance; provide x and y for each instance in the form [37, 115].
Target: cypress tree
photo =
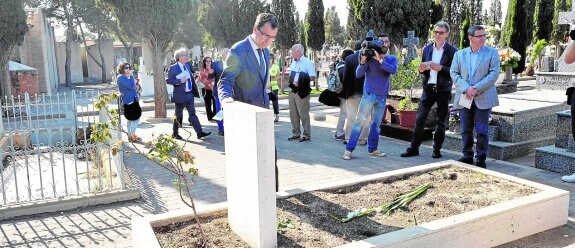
[515, 32]
[13, 27]
[465, 25]
[314, 25]
[542, 19]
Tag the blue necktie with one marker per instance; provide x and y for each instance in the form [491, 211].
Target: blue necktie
[262, 62]
[189, 86]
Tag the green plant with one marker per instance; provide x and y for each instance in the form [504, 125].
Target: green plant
[398, 202]
[163, 150]
[537, 51]
[405, 80]
[406, 104]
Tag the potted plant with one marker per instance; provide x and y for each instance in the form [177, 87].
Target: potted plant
[509, 60]
[405, 80]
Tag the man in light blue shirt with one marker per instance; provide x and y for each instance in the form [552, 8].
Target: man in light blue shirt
[302, 71]
[474, 71]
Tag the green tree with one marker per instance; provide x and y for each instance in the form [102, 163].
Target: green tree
[288, 34]
[13, 27]
[62, 11]
[301, 34]
[517, 31]
[97, 21]
[453, 13]
[314, 25]
[334, 32]
[158, 22]
[494, 17]
[542, 20]
[559, 31]
[475, 7]
[190, 32]
[463, 38]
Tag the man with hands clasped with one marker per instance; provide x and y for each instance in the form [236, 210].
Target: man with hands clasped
[436, 62]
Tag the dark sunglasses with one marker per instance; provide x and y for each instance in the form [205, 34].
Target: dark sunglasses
[127, 67]
[439, 32]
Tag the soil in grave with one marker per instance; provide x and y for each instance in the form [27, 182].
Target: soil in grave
[307, 219]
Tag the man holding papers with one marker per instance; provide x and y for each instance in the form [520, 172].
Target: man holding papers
[436, 61]
[474, 71]
[180, 75]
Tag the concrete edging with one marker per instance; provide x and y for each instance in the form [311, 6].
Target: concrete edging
[502, 223]
[69, 203]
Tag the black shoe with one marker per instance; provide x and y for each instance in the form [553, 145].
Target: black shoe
[410, 152]
[481, 163]
[341, 137]
[177, 136]
[203, 134]
[345, 142]
[304, 139]
[436, 154]
[292, 138]
[221, 133]
[466, 160]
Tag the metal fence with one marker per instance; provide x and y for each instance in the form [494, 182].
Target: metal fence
[47, 152]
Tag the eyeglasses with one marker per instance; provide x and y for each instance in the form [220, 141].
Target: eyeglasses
[127, 67]
[273, 38]
[480, 36]
[439, 32]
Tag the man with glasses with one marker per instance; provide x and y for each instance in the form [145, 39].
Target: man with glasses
[246, 74]
[180, 75]
[474, 71]
[435, 63]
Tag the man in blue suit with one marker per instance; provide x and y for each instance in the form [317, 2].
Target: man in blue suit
[246, 74]
[435, 62]
[180, 75]
[474, 71]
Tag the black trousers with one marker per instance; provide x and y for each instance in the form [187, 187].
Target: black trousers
[192, 117]
[210, 103]
[429, 97]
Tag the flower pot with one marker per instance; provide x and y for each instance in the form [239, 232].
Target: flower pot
[508, 73]
[407, 118]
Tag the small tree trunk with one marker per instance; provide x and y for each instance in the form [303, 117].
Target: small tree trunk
[69, 37]
[103, 65]
[6, 85]
[160, 90]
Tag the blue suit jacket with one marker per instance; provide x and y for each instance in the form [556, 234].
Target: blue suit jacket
[444, 82]
[179, 94]
[128, 89]
[484, 77]
[242, 79]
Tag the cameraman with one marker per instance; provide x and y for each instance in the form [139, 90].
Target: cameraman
[377, 71]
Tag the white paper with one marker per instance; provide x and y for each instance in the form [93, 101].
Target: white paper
[184, 74]
[464, 102]
[219, 116]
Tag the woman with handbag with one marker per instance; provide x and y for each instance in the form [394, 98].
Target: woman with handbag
[128, 86]
[208, 78]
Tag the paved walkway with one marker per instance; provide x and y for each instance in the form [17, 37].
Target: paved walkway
[300, 164]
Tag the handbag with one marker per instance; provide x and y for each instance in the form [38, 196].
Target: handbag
[200, 84]
[329, 98]
[132, 111]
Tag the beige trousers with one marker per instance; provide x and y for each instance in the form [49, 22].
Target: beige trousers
[299, 111]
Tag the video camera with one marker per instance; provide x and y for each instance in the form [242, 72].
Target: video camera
[371, 46]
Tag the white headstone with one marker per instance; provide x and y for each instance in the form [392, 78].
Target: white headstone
[250, 173]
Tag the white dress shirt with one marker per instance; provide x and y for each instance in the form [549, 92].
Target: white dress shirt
[186, 75]
[435, 58]
[255, 49]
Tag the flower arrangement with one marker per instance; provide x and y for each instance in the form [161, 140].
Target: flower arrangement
[509, 58]
[454, 117]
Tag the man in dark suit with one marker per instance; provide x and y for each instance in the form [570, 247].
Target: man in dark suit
[435, 64]
[180, 75]
[247, 67]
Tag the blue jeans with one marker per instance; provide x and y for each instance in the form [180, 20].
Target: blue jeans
[369, 103]
[478, 118]
[132, 126]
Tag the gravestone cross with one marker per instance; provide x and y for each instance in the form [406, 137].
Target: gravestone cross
[411, 41]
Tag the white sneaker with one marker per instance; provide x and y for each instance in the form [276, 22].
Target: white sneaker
[362, 142]
[377, 153]
[347, 155]
[569, 179]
